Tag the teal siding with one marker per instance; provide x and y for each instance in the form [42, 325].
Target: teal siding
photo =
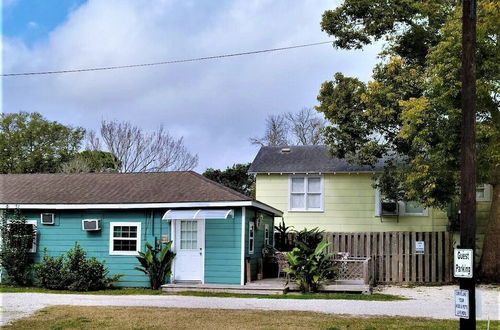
[61, 237]
[258, 239]
[223, 250]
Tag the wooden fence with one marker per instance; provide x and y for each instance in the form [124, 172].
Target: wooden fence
[394, 257]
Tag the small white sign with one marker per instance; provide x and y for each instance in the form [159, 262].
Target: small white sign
[462, 303]
[463, 264]
[419, 247]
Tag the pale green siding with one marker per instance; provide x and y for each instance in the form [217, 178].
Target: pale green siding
[349, 206]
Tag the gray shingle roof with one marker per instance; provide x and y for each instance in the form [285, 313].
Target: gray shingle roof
[303, 159]
[113, 188]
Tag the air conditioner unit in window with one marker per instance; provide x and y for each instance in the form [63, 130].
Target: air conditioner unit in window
[47, 218]
[390, 208]
[91, 224]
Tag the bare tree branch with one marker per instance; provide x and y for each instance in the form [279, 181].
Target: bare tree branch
[277, 130]
[301, 128]
[139, 151]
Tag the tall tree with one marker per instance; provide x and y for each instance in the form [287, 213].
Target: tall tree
[292, 128]
[29, 143]
[235, 177]
[410, 110]
[139, 151]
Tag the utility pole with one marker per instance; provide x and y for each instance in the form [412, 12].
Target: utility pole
[468, 152]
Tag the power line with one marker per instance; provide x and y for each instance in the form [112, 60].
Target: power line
[164, 62]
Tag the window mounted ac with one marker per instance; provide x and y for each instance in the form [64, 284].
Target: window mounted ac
[91, 224]
[47, 218]
[390, 208]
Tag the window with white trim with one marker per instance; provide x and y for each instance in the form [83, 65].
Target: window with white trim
[305, 193]
[402, 208]
[482, 192]
[251, 237]
[27, 231]
[410, 208]
[266, 234]
[125, 238]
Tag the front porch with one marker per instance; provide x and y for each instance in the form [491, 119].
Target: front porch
[268, 286]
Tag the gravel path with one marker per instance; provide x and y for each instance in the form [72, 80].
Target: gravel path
[433, 302]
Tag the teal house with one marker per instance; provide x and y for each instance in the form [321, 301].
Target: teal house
[218, 234]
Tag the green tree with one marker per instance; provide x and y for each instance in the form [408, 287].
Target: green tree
[411, 109]
[29, 143]
[235, 177]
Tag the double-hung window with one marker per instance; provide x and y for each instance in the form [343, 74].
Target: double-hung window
[125, 238]
[305, 193]
[482, 192]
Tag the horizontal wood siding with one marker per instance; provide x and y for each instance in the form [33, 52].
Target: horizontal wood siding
[349, 206]
[67, 230]
[223, 250]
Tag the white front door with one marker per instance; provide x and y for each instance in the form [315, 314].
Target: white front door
[189, 246]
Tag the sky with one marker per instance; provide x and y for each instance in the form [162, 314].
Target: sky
[216, 106]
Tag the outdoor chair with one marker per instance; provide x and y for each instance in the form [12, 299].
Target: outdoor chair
[282, 259]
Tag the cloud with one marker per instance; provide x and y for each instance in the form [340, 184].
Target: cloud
[216, 105]
[32, 25]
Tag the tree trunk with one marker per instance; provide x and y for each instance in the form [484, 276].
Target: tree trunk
[489, 268]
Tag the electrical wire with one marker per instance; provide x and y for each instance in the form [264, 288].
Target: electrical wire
[164, 62]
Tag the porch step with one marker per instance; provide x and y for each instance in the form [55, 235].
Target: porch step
[228, 288]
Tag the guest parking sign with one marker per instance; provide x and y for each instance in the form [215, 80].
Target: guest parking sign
[463, 264]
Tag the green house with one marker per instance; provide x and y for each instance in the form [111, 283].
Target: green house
[216, 231]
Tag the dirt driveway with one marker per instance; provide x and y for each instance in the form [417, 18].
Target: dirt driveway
[433, 302]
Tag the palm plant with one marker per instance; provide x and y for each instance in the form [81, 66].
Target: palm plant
[283, 243]
[309, 268]
[156, 267]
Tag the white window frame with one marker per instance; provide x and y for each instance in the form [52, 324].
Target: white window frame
[402, 207]
[35, 237]
[321, 193]
[266, 234]
[487, 192]
[137, 239]
[402, 212]
[251, 237]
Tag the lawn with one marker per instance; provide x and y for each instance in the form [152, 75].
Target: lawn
[76, 317]
[141, 291]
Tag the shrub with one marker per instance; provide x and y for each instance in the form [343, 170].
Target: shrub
[74, 272]
[17, 241]
[50, 272]
[308, 238]
[156, 267]
[309, 268]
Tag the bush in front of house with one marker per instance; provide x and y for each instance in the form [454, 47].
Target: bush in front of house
[74, 272]
[18, 238]
[157, 267]
[309, 264]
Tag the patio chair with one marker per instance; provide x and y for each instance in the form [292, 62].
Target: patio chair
[282, 259]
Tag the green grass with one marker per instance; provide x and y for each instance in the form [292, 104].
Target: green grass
[141, 291]
[104, 317]
[345, 296]
[111, 292]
